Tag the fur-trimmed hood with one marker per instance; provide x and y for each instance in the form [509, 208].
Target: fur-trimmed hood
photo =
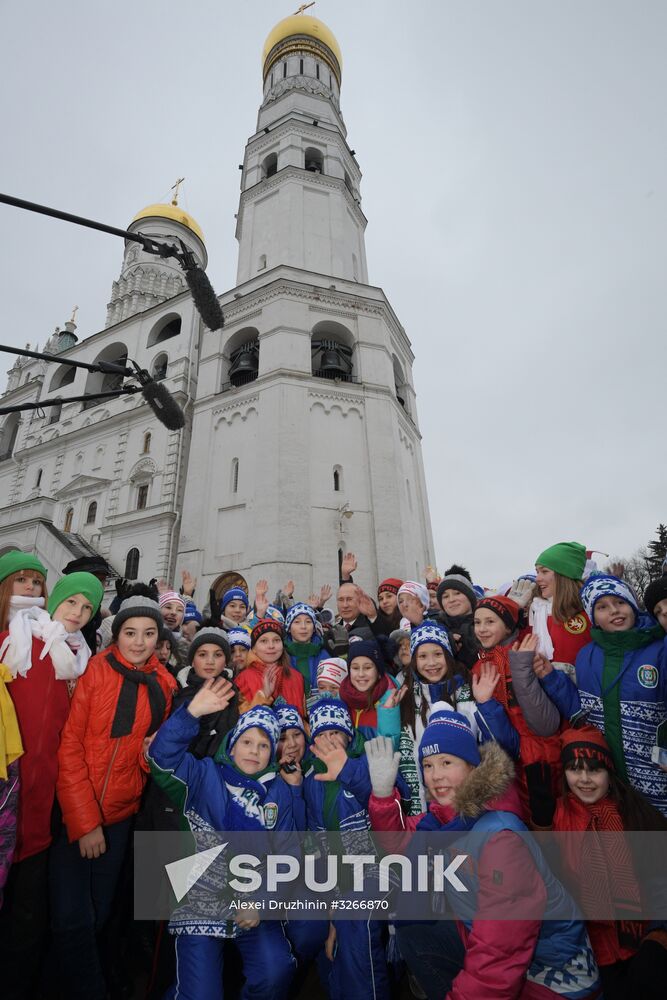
[489, 786]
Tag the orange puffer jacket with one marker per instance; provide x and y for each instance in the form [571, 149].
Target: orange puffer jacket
[100, 778]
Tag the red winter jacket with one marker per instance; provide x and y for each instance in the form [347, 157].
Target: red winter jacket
[569, 637]
[42, 705]
[498, 952]
[289, 686]
[101, 778]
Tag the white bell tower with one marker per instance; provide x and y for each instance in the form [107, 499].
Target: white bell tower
[305, 437]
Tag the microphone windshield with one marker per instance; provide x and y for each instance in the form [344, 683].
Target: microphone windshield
[204, 297]
[163, 405]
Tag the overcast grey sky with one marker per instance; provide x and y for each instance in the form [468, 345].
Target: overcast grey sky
[514, 155]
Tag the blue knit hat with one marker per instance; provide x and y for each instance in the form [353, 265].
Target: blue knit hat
[192, 614]
[329, 714]
[430, 632]
[275, 613]
[369, 648]
[604, 585]
[260, 717]
[235, 594]
[289, 718]
[295, 611]
[448, 732]
[239, 637]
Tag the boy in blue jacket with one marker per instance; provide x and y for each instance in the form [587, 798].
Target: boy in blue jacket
[239, 790]
[337, 789]
[621, 679]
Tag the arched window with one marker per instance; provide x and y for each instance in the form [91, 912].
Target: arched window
[262, 262]
[337, 478]
[159, 367]
[142, 496]
[400, 384]
[99, 382]
[92, 512]
[132, 564]
[314, 160]
[166, 328]
[331, 352]
[244, 363]
[10, 429]
[69, 514]
[235, 475]
[63, 376]
[38, 478]
[269, 165]
[147, 443]
[54, 413]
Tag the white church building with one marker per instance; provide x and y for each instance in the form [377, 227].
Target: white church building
[301, 439]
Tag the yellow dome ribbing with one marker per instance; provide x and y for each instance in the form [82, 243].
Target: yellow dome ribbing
[299, 25]
[174, 212]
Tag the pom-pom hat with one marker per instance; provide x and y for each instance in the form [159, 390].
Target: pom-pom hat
[136, 607]
[457, 582]
[448, 732]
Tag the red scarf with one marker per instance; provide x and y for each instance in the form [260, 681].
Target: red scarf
[359, 701]
[603, 872]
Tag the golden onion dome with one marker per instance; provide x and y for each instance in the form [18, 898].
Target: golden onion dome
[289, 35]
[173, 212]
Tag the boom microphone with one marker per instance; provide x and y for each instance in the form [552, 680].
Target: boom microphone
[161, 402]
[201, 289]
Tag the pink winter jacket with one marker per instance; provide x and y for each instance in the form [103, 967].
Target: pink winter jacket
[498, 952]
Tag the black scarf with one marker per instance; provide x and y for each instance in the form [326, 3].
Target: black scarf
[126, 707]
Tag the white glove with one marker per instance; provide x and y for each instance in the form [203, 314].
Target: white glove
[382, 765]
[522, 592]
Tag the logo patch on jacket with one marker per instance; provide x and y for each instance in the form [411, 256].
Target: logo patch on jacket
[648, 676]
[576, 625]
[270, 815]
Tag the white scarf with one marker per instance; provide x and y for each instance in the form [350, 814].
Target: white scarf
[540, 610]
[27, 620]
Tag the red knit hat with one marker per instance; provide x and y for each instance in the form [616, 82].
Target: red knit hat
[263, 626]
[507, 610]
[390, 586]
[586, 743]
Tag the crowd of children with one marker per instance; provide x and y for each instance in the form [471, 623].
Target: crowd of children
[437, 706]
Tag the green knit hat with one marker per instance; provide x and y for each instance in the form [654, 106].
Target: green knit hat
[76, 583]
[15, 561]
[566, 558]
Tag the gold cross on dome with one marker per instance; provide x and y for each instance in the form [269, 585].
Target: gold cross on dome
[174, 188]
[304, 6]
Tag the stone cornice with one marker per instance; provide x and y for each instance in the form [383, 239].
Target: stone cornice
[298, 173]
[332, 302]
[235, 404]
[338, 397]
[261, 141]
